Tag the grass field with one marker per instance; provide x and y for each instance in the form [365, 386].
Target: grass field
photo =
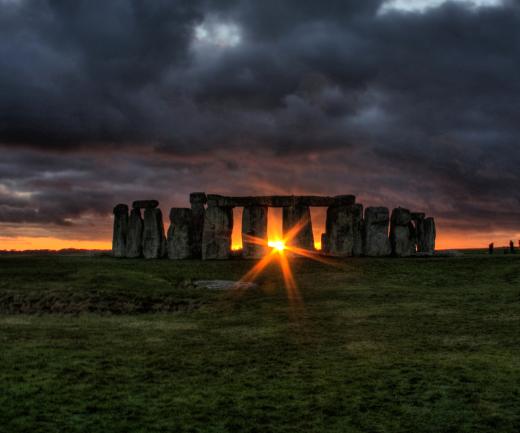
[378, 345]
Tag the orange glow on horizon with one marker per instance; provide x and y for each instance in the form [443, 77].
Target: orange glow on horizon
[49, 243]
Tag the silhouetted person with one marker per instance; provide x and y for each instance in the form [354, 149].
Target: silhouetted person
[511, 247]
[491, 248]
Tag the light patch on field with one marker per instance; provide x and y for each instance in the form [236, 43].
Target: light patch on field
[162, 325]
[7, 320]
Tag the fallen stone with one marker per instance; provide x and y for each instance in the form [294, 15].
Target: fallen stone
[134, 240]
[375, 240]
[297, 227]
[120, 230]
[254, 231]
[402, 233]
[180, 234]
[145, 204]
[154, 241]
[216, 236]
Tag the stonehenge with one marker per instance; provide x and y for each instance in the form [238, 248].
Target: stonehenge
[402, 233]
[297, 227]
[180, 234]
[154, 242]
[343, 230]
[134, 239]
[254, 229]
[375, 232]
[204, 230]
[216, 235]
[120, 230]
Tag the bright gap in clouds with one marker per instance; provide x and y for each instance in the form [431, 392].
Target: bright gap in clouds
[216, 33]
[422, 5]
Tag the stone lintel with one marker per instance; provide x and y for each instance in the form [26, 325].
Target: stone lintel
[145, 204]
[280, 200]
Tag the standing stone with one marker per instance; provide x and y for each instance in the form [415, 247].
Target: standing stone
[324, 244]
[216, 236]
[180, 234]
[120, 230]
[418, 222]
[429, 236]
[134, 239]
[402, 233]
[300, 216]
[154, 242]
[344, 230]
[375, 240]
[197, 201]
[254, 225]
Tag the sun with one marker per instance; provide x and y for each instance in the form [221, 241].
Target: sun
[277, 245]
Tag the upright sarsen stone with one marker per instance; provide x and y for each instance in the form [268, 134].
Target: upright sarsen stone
[297, 226]
[120, 230]
[375, 240]
[180, 234]
[402, 233]
[134, 239]
[197, 201]
[254, 225]
[216, 236]
[154, 242]
[428, 244]
[344, 230]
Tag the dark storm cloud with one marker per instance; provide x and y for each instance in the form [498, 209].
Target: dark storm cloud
[103, 101]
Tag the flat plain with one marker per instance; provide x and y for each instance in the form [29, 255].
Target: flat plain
[96, 344]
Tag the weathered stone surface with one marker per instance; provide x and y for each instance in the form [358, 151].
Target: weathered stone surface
[344, 230]
[145, 204]
[428, 240]
[375, 233]
[418, 223]
[297, 227]
[402, 233]
[120, 230]
[180, 234]
[344, 200]
[254, 225]
[197, 200]
[216, 236]
[154, 242]
[324, 243]
[279, 200]
[134, 239]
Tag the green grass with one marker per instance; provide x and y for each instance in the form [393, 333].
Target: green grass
[380, 345]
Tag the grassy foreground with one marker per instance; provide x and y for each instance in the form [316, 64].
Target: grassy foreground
[379, 345]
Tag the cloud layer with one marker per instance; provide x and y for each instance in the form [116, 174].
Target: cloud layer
[105, 102]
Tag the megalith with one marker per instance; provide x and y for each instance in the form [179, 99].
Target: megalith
[297, 226]
[180, 234]
[344, 230]
[145, 204]
[375, 233]
[216, 236]
[254, 231]
[402, 233]
[134, 239]
[197, 201]
[154, 242]
[428, 244]
[120, 230]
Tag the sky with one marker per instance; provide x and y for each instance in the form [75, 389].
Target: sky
[410, 103]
